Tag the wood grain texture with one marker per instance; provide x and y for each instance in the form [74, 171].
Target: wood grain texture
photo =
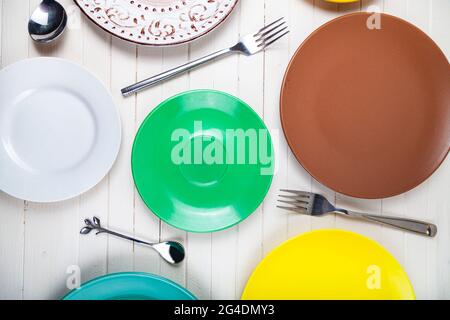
[14, 47]
[39, 242]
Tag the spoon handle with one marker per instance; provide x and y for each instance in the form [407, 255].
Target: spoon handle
[95, 224]
[119, 235]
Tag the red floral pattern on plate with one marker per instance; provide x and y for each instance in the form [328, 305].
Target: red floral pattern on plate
[157, 22]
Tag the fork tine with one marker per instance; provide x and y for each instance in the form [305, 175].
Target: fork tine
[294, 203]
[299, 193]
[264, 35]
[270, 36]
[268, 26]
[266, 39]
[290, 196]
[292, 209]
[295, 198]
[265, 45]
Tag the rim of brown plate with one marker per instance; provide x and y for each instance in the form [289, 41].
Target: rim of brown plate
[173, 44]
[283, 87]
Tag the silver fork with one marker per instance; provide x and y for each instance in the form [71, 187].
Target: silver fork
[247, 45]
[317, 205]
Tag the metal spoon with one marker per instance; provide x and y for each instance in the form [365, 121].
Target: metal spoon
[171, 251]
[47, 22]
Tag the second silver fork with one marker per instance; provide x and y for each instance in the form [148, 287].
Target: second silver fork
[248, 45]
[317, 205]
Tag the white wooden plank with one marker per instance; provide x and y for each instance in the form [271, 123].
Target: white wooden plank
[298, 178]
[92, 249]
[199, 258]
[224, 244]
[199, 262]
[438, 255]
[146, 224]
[374, 206]
[49, 253]
[51, 246]
[414, 203]
[199, 265]
[419, 254]
[395, 7]
[250, 86]
[390, 238]
[1, 28]
[323, 12]
[92, 255]
[275, 221]
[12, 246]
[15, 32]
[416, 247]
[173, 57]
[206, 273]
[419, 13]
[121, 187]
[439, 186]
[393, 240]
[14, 47]
[440, 24]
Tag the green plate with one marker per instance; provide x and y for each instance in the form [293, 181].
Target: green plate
[130, 286]
[203, 161]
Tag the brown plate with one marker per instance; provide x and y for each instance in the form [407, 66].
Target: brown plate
[367, 112]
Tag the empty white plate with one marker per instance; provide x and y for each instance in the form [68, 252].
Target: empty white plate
[60, 131]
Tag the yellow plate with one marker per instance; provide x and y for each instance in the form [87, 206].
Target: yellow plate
[329, 264]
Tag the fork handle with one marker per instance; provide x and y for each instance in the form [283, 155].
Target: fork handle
[416, 226]
[172, 73]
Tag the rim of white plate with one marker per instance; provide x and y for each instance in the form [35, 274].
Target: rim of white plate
[114, 109]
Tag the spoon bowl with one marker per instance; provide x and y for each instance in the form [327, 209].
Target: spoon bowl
[172, 252]
[47, 22]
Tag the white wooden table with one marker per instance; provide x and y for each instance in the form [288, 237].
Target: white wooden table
[39, 242]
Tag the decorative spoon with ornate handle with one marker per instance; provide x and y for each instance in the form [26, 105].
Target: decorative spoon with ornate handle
[171, 251]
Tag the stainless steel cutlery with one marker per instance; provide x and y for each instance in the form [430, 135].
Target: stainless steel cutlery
[317, 205]
[247, 45]
[47, 22]
[171, 251]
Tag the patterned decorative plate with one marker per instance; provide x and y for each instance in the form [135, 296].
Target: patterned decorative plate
[157, 22]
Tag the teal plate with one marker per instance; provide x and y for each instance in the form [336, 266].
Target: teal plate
[130, 286]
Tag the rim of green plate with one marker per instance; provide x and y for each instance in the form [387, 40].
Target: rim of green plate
[160, 106]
